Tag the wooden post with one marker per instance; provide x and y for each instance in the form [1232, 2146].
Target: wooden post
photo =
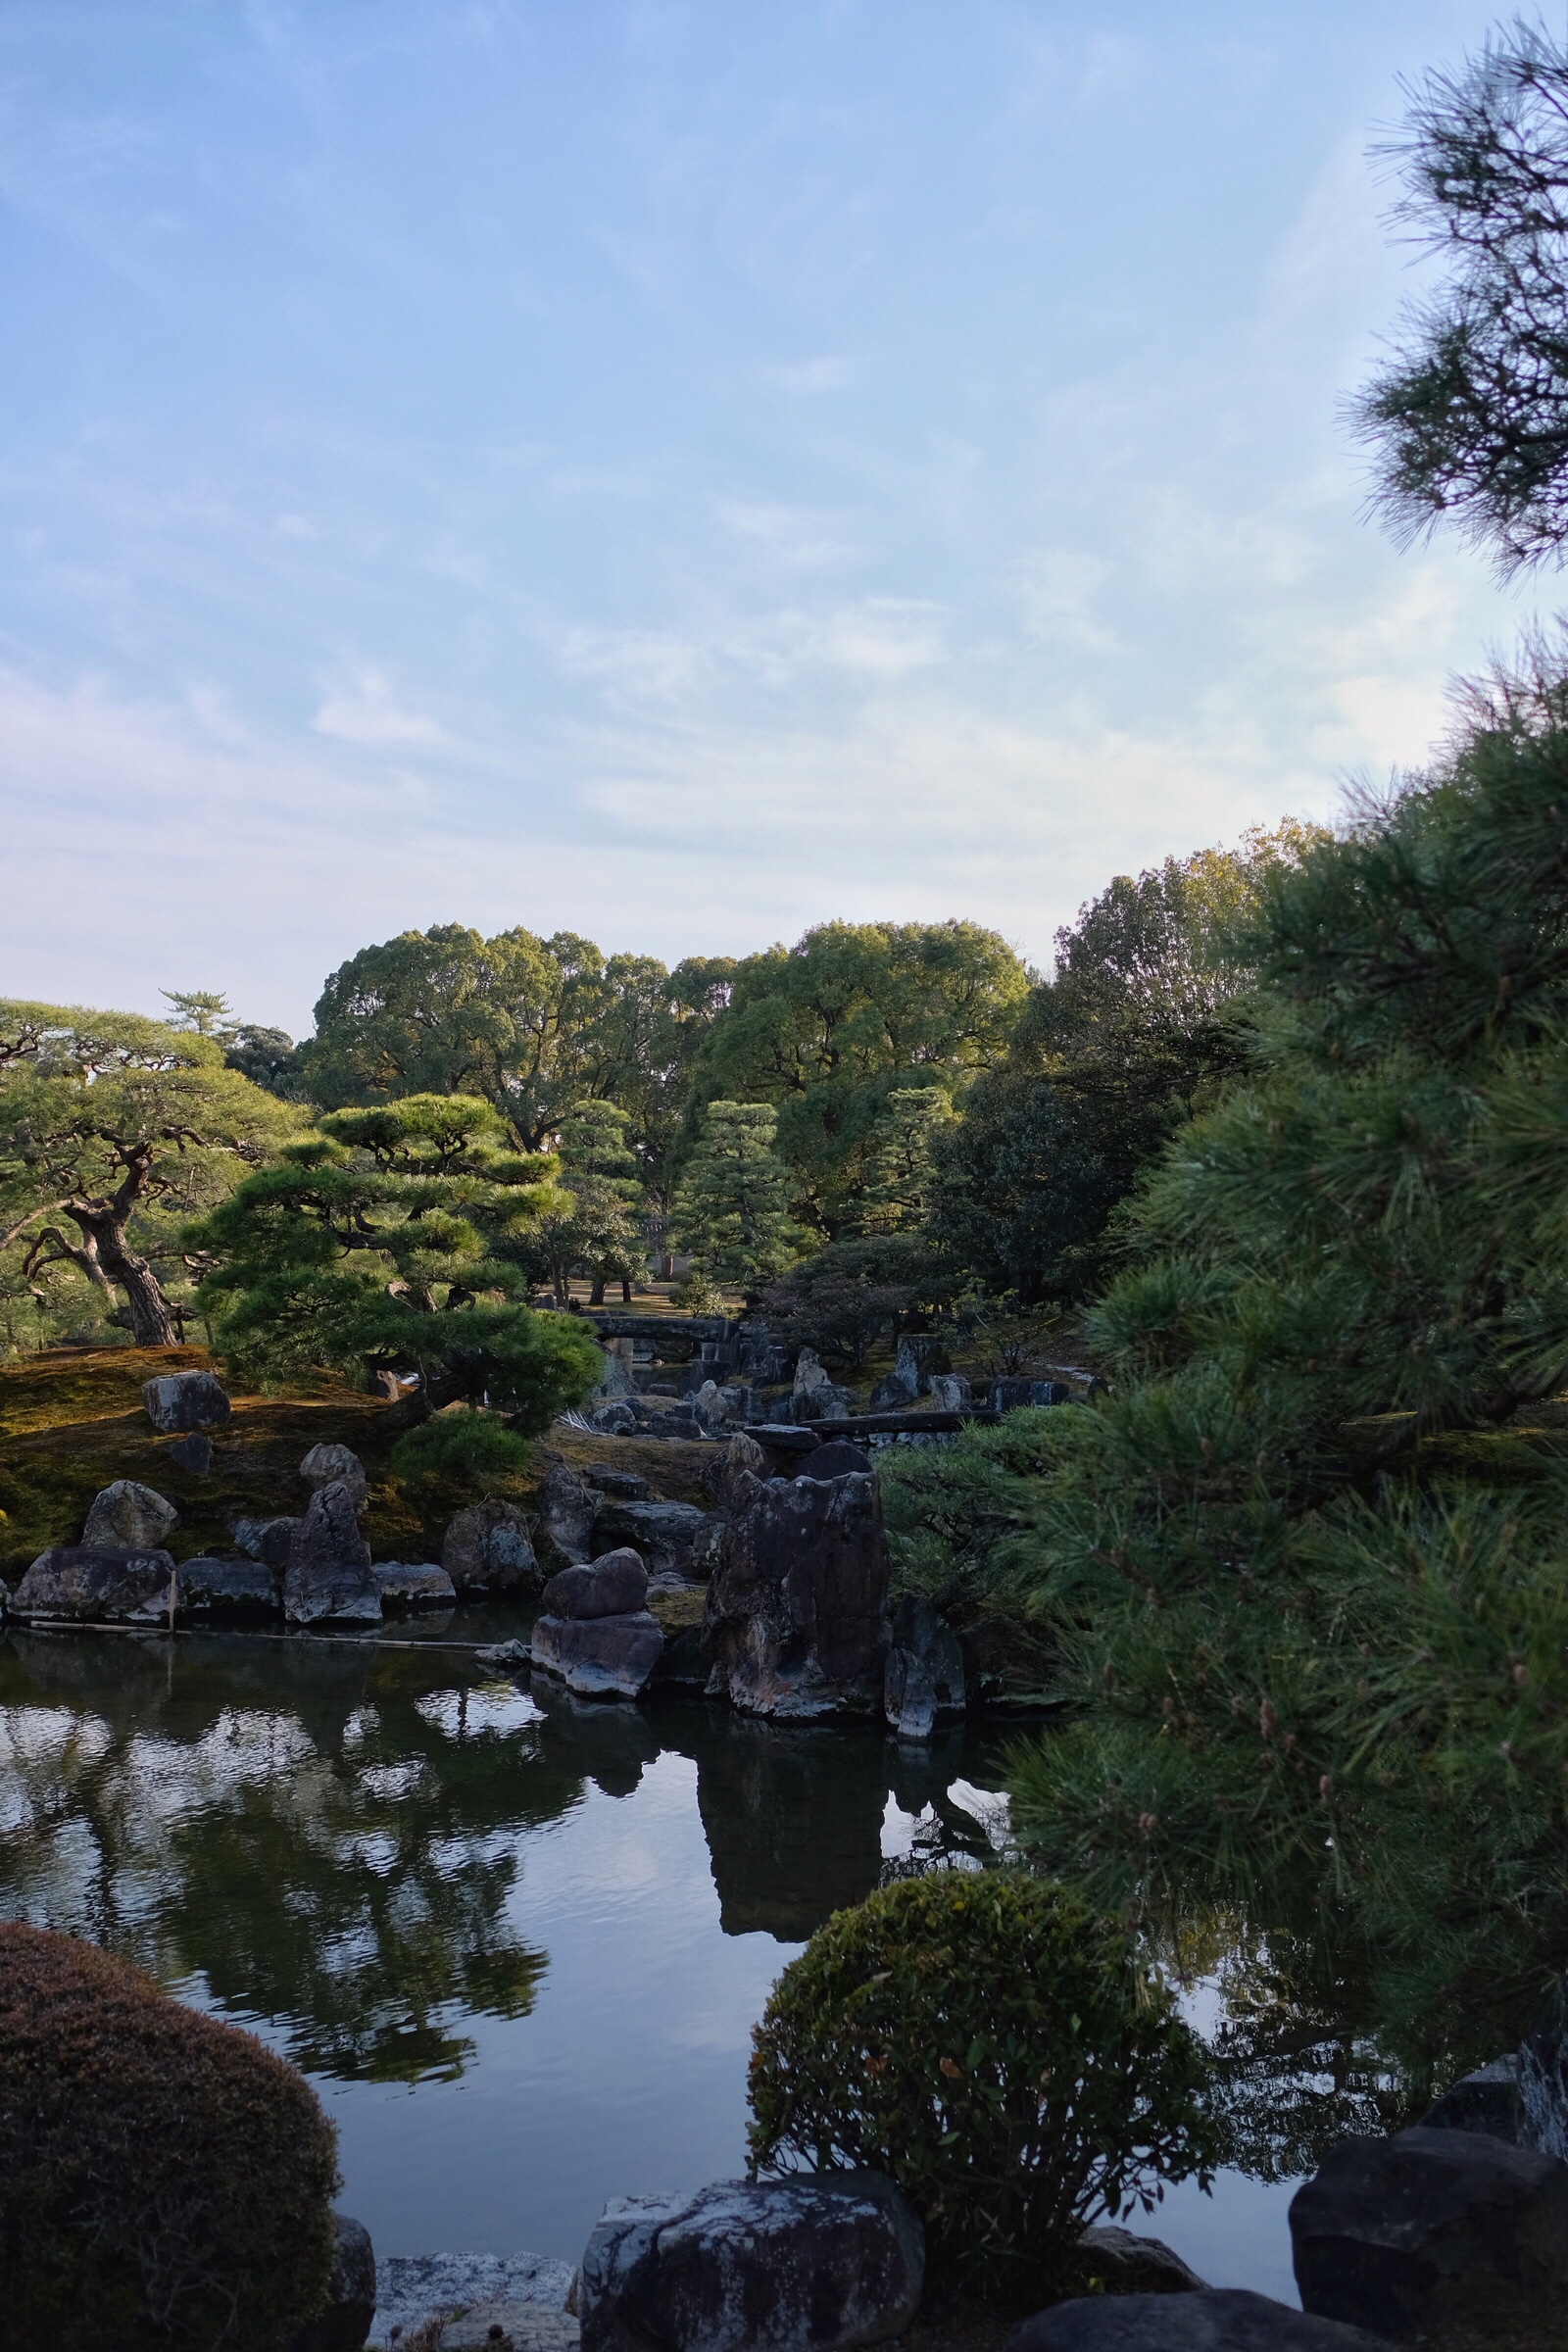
[173, 1586]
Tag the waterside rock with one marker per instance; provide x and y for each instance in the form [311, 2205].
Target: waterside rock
[329, 1575]
[404, 1587]
[797, 1624]
[350, 2309]
[923, 1684]
[488, 1548]
[615, 1585]
[1213, 2319]
[268, 1539]
[676, 1539]
[1433, 2229]
[82, 1586]
[336, 1465]
[600, 1657]
[182, 1400]
[228, 1588]
[819, 2260]
[127, 1517]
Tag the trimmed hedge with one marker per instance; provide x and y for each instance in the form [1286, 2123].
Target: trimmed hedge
[998, 2050]
[165, 2181]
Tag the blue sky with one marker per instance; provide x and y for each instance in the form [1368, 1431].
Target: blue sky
[680, 472]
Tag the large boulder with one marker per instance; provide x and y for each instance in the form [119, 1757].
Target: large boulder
[613, 1420]
[97, 1587]
[329, 1575]
[673, 1537]
[796, 1620]
[127, 1517]
[227, 1588]
[487, 1549]
[923, 1683]
[179, 1400]
[345, 2322]
[810, 1382]
[1429, 2231]
[600, 1657]
[423, 1586]
[336, 1465]
[1213, 2319]
[803, 2265]
[615, 1585]
[567, 1508]
[949, 1392]
[268, 1540]
[1122, 2262]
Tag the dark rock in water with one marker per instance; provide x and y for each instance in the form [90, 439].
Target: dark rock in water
[336, 1465]
[1487, 2100]
[1431, 2231]
[835, 1459]
[819, 2261]
[180, 1400]
[682, 1667]
[624, 1484]
[600, 1657]
[127, 1517]
[329, 1575]
[487, 1550]
[421, 1587]
[351, 2296]
[673, 1537]
[268, 1540]
[796, 1622]
[923, 1685]
[193, 1453]
[227, 1586]
[1125, 2264]
[615, 1585]
[90, 1587]
[1213, 2319]
[566, 1516]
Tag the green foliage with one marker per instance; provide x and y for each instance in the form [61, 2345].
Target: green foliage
[461, 1444]
[390, 1242]
[597, 1221]
[957, 1515]
[1000, 2052]
[841, 1300]
[698, 1294]
[165, 2184]
[901, 1159]
[731, 1213]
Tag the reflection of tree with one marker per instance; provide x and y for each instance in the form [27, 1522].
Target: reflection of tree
[336, 1856]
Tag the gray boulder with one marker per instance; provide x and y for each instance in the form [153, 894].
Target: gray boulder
[423, 1587]
[1213, 2319]
[600, 1657]
[182, 1400]
[1122, 2262]
[797, 1623]
[336, 1465]
[673, 1537]
[487, 1550]
[567, 1508]
[97, 1587]
[949, 1392]
[613, 1420]
[923, 1684]
[803, 2264]
[626, 1486]
[268, 1539]
[710, 1409]
[1433, 2231]
[834, 1459]
[329, 1575]
[193, 1455]
[227, 1588]
[127, 1517]
[615, 1585]
[890, 1396]
[810, 1379]
[906, 1368]
[345, 2323]
[1487, 2100]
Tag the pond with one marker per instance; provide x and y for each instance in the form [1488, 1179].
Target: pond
[516, 1940]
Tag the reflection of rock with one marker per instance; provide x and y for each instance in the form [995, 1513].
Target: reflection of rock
[797, 1623]
[820, 2260]
[794, 1829]
[127, 1517]
[180, 1400]
[336, 1465]
[89, 1587]
[329, 1575]
[924, 1679]
[487, 1549]
[351, 2296]
[610, 1745]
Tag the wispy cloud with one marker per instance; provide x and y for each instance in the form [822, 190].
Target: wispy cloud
[368, 711]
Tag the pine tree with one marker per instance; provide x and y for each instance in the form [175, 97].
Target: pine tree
[900, 1161]
[731, 1213]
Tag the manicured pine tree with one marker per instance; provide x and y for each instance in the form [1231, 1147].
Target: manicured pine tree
[731, 1212]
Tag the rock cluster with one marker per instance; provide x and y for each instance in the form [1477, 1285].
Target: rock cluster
[595, 1633]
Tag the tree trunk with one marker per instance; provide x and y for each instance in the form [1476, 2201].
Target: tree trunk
[596, 1296]
[625, 1290]
[152, 1318]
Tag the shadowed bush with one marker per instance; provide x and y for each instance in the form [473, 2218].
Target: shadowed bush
[459, 1445]
[165, 2181]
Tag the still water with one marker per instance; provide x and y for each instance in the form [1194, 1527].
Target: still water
[518, 1942]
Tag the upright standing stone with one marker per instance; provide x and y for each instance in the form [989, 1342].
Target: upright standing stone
[796, 1620]
[329, 1573]
[487, 1550]
[127, 1517]
[336, 1465]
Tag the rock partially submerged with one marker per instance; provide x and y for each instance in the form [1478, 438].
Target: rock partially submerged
[77, 1584]
[127, 1517]
[596, 1634]
[329, 1575]
[182, 1400]
[796, 1621]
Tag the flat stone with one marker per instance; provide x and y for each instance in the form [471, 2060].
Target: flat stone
[401, 1587]
[615, 1585]
[809, 2264]
[1213, 2319]
[182, 1400]
[1433, 2229]
[227, 1586]
[81, 1586]
[329, 1577]
[412, 2288]
[336, 1465]
[193, 1453]
[510, 2328]
[127, 1517]
[350, 2297]
[600, 1657]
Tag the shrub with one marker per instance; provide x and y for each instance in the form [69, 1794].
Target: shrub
[459, 1445]
[165, 2181]
[700, 1292]
[986, 2041]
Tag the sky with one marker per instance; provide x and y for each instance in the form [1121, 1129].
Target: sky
[681, 472]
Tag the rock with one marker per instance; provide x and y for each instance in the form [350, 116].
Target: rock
[615, 1585]
[796, 1622]
[566, 1514]
[949, 1392]
[810, 1378]
[349, 2298]
[817, 2261]
[90, 1587]
[600, 1657]
[830, 1404]
[890, 1396]
[414, 2289]
[1049, 1392]
[506, 1653]
[678, 1422]
[329, 1575]
[266, 1540]
[487, 1550]
[333, 1466]
[743, 1461]
[193, 1453]
[1125, 2264]
[1006, 1395]
[836, 1459]
[1213, 2319]
[710, 1409]
[673, 1537]
[182, 1400]
[126, 1517]
[1487, 2100]
[615, 1420]
[510, 2328]
[1543, 2062]
[624, 1484]
[906, 1368]
[426, 1587]
[618, 1380]
[923, 1684]
[227, 1586]
[682, 1668]
[1431, 2231]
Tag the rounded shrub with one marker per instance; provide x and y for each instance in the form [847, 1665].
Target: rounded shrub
[165, 2183]
[1001, 2052]
[459, 1445]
